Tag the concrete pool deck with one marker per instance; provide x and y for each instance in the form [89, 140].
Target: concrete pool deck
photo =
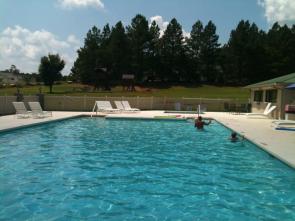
[280, 144]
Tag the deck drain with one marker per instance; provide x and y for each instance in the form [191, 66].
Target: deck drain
[264, 143]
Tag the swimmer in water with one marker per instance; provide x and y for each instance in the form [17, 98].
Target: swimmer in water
[234, 138]
[199, 123]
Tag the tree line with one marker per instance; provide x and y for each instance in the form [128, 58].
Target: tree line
[250, 55]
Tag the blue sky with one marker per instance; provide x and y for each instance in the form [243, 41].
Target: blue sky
[30, 29]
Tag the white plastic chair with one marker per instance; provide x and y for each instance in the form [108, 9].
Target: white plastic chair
[127, 107]
[37, 110]
[119, 105]
[266, 112]
[105, 107]
[284, 124]
[21, 110]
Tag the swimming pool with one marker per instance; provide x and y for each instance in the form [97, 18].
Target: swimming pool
[97, 169]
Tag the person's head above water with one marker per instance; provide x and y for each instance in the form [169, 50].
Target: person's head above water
[233, 134]
[200, 118]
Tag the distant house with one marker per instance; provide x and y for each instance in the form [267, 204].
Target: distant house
[8, 78]
[274, 91]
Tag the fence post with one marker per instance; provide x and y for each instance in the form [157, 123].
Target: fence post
[84, 103]
[152, 103]
[137, 102]
[5, 104]
[164, 106]
[63, 103]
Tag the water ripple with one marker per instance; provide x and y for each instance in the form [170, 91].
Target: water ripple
[96, 169]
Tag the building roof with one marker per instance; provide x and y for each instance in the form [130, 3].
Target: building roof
[283, 80]
[6, 74]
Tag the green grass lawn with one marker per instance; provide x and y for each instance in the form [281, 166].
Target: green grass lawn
[205, 91]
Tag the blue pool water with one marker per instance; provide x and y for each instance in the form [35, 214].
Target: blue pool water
[96, 169]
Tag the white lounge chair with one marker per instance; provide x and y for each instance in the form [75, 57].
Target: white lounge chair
[104, 106]
[119, 105]
[122, 107]
[266, 112]
[127, 107]
[284, 124]
[21, 110]
[37, 110]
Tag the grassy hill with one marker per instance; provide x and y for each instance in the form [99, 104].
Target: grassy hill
[205, 91]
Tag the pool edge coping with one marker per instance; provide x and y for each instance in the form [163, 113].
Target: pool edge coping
[291, 165]
[40, 123]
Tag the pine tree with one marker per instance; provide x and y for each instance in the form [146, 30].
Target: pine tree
[246, 53]
[138, 33]
[209, 53]
[105, 34]
[172, 50]
[87, 61]
[105, 56]
[194, 46]
[153, 57]
[280, 48]
[119, 48]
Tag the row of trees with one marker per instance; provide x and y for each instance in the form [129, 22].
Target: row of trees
[140, 50]
[250, 55]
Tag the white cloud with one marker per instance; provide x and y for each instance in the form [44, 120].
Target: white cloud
[186, 34]
[69, 4]
[282, 11]
[163, 25]
[160, 22]
[24, 48]
[74, 41]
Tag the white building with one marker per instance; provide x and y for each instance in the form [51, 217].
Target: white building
[8, 78]
[275, 91]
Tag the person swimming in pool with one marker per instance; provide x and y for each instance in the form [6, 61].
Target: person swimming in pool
[234, 137]
[199, 123]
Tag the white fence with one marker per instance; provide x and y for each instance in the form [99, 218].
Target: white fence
[85, 103]
[6, 103]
